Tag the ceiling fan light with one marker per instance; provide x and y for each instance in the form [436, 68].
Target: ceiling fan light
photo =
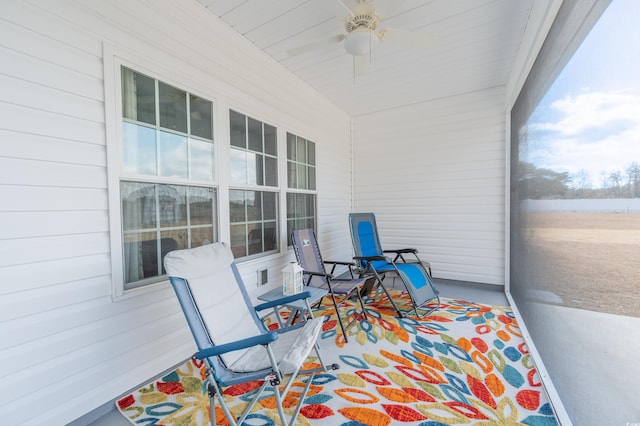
[361, 42]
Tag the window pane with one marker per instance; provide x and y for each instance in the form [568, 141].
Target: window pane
[138, 205]
[311, 205]
[172, 206]
[269, 205]
[138, 149]
[254, 205]
[301, 212]
[201, 236]
[200, 205]
[270, 140]
[251, 168]
[201, 160]
[237, 206]
[301, 175]
[301, 150]
[255, 135]
[259, 169]
[311, 153]
[238, 167]
[173, 155]
[269, 236]
[201, 117]
[312, 177]
[140, 256]
[138, 97]
[291, 146]
[271, 171]
[291, 174]
[239, 240]
[238, 129]
[255, 238]
[301, 206]
[173, 107]
[310, 223]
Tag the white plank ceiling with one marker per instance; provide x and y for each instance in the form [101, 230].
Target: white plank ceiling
[475, 46]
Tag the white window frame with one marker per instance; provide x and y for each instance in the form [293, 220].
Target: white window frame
[113, 60]
[256, 187]
[304, 191]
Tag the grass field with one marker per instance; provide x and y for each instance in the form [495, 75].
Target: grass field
[590, 260]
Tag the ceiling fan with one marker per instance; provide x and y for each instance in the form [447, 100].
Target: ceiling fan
[363, 35]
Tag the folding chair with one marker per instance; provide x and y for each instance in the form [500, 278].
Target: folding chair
[234, 344]
[340, 290]
[372, 259]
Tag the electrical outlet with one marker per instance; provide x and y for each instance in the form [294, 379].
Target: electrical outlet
[263, 277]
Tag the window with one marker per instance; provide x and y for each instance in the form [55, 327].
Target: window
[301, 181]
[167, 198]
[254, 165]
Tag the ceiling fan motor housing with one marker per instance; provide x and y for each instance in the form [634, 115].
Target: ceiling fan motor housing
[361, 27]
[369, 21]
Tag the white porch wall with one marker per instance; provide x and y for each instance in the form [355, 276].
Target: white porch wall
[433, 173]
[65, 346]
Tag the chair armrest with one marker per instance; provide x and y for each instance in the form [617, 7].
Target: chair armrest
[261, 339]
[334, 263]
[282, 301]
[370, 258]
[401, 251]
[337, 262]
[317, 274]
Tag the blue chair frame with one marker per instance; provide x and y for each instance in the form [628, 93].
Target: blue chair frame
[371, 258]
[219, 373]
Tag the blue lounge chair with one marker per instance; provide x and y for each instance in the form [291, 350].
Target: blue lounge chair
[372, 259]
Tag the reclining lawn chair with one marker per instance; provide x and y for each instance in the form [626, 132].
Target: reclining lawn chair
[340, 290]
[372, 259]
[234, 344]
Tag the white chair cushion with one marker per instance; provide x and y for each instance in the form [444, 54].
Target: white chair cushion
[290, 350]
[216, 292]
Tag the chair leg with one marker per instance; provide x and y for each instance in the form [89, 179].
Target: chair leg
[400, 313]
[214, 392]
[211, 390]
[364, 311]
[335, 305]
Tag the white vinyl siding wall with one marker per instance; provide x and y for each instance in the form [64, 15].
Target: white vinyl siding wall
[433, 173]
[66, 347]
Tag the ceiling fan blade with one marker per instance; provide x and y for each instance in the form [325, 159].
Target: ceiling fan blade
[389, 8]
[409, 38]
[337, 8]
[315, 45]
[345, 8]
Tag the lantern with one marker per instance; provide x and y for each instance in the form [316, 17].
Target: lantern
[291, 279]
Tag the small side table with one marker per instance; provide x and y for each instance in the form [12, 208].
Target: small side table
[298, 306]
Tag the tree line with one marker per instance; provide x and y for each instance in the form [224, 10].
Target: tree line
[539, 183]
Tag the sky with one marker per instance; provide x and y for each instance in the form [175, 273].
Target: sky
[589, 120]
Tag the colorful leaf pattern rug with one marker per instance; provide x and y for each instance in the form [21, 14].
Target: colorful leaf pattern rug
[464, 364]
